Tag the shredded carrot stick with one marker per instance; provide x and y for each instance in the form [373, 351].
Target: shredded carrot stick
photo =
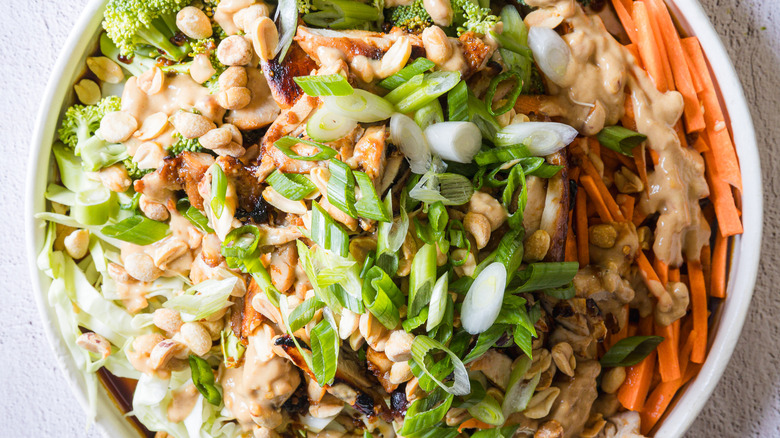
[719, 256]
[662, 47]
[627, 162]
[662, 396]
[614, 338]
[473, 423]
[674, 275]
[635, 53]
[662, 269]
[641, 165]
[729, 222]
[625, 19]
[700, 145]
[629, 117]
[527, 104]
[595, 196]
[717, 131]
[633, 392]
[606, 196]
[649, 276]
[582, 229]
[699, 310]
[626, 203]
[706, 267]
[648, 46]
[694, 118]
[668, 360]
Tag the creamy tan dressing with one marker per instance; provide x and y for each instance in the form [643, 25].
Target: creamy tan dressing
[592, 95]
[182, 402]
[255, 391]
[225, 12]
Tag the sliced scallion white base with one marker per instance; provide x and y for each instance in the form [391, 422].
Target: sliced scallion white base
[361, 105]
[325, 125]
[438, 302]
[454, 141]
[483, 300]
[541, 138]
[409, 138]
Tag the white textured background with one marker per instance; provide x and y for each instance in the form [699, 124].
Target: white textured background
[34, 399]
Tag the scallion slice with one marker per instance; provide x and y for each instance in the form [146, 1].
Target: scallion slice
[304, 312]
[630, 351]
[326, 85]
[137, 229]
[416, 67]
[286, 143]
[620, 139]
[325, 125]
[421, 279]
[511, 96]
[519, 391]
[405, 89]
[341, 187]
[515, 206]
[541, 276]
[242, 242]
[429, 114]
[422, 353]
[254, 267]
[488, 411]
[94, 206]
[324, 351]
[232, 348]
[327, 233]
[454, 141]
[484, 298]
[196, 218]
[478, 114]
[439, 299]
[541, 138]
[292, 186]
[219, 184]
[382, 297]
[425, 413]
[363, 106]
[458, 103]
[341, 14]
[501, 154]
[409, 137]
[485, 342]
[369, 205]
[449, 188]
[434, 85]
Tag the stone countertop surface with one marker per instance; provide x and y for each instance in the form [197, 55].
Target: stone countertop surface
[37, 401]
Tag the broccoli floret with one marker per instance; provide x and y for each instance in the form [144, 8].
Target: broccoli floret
[467, 16]
[184, 144]
[412, 18]
[78, 132]
[304, 6]
[136, 65]
[471, 17]
[132, 169]
[132, 24]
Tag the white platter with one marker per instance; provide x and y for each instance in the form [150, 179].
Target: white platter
[728, 320]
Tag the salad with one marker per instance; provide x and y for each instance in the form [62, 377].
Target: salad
[414, 218]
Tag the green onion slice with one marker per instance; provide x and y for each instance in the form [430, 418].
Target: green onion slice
[630, 351]
[426, 413]
[341, 187]
[301, 315]
[363, 106]
[219, 184]
[369, 205]
[434, 85]
[488, 411]
[196, 218]
[541, 276]
[620, 139]
[416, 67]
[94, 206]
[421, 279]
[292, 186]
[241, 242]
[232, 348]
[429, 114]
[485, 341]
[501, 154]
[327, 233]
[341, 14]
[327, 85]
[515, 208]
[137, 229]
[405, 89]
[203, 379]
[458, 103]
[449, 188]
[382, 297]
[325, 350]
[439, 302]
[511, 96]
[325, 125]
[422, 348]
[286, 143]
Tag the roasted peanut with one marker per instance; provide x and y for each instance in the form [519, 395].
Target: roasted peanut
[437, 45]
[235, 50]
[152, 127]
[149, 155]
[153, 210]
[265, 37]
[141, 267]
[232, 77]
[399, 346]
[602, 235]
[194, 23]
[151, 81]
[168, 320]
[234, 98]
[117, 126]
[105, 69]
[94, 343]
[88, 92]
[612, 379]
[216, 138]
[191, 125]
[628, 182]
[202, 70]
[77, 244]
[536, 246]
[478, 226]
[115, 178]
[196, 337]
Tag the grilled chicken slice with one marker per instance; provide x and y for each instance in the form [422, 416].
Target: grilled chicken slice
[262, 109]
[181, 172]
[288, 121]
[325, 44]
[476, 52]
[555, 218]
[246, 178]
[280, 75]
